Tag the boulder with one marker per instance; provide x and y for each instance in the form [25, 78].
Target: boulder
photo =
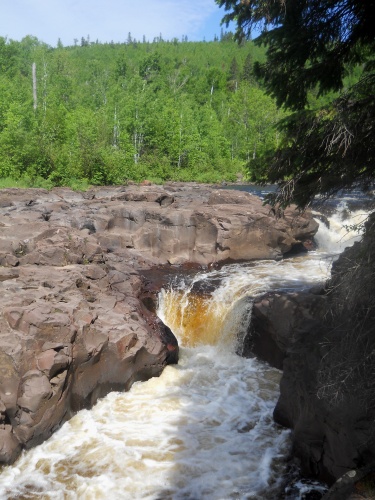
[278, 321]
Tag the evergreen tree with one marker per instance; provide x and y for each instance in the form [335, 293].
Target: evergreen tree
[311, 45]
[233, 75]
[248, 73]
[121, 66]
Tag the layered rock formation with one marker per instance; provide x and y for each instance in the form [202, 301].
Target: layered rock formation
[72, 324]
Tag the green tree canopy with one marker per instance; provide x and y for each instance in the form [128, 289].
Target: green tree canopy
[311, 46]
[109, 113]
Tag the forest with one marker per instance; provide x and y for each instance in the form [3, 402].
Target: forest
[106, 113]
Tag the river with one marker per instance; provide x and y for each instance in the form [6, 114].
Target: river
[204, 428]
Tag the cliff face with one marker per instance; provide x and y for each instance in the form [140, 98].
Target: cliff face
[328, 385]
[72, 322]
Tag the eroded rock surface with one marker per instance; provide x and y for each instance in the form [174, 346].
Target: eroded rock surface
[72, 325]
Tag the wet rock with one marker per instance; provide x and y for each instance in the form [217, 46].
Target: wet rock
[356, 484]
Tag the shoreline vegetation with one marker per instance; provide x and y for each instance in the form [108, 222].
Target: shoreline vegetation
[83, 185]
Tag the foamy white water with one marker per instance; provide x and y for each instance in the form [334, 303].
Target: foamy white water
[345, 228]
[223, 315]
[202, 430]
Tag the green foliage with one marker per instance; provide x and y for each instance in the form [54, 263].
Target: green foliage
[9, 182]
[309, 43]
[109, 113]
[248, 72]
[320, 65]
[330, 148]
[150, 66]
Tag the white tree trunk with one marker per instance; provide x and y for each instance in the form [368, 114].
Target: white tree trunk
[34, 86]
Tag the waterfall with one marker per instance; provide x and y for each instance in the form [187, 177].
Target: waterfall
[204, 428]
[215, 307]
[344, 228]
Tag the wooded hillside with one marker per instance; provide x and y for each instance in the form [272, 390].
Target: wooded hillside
[107, 113]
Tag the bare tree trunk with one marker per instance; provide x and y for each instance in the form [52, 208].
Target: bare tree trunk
[34, 86]
[137, 139]
[44, 80]
[179, 145]
[116, 130]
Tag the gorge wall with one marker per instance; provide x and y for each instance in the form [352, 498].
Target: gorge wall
[72, 323]
[325, 343]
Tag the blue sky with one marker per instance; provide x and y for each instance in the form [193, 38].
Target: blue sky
[108, 20]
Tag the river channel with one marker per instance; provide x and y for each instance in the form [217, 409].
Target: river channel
[204, 428]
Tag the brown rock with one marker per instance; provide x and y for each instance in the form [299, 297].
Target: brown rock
[225, 197]
[10, 447]
[51, 362]
[35, 389]
[73, 326]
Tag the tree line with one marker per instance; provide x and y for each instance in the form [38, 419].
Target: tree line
[108, 113]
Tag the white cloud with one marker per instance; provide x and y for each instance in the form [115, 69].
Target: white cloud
[105, 20]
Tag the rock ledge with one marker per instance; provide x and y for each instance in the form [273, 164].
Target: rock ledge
[72, 323]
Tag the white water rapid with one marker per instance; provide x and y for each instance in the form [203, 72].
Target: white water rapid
[204, 428]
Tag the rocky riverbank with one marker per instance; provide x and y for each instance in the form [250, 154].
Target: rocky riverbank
[73, 324]
[325, 343]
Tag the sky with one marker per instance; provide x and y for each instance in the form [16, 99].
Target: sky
[110, 20]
